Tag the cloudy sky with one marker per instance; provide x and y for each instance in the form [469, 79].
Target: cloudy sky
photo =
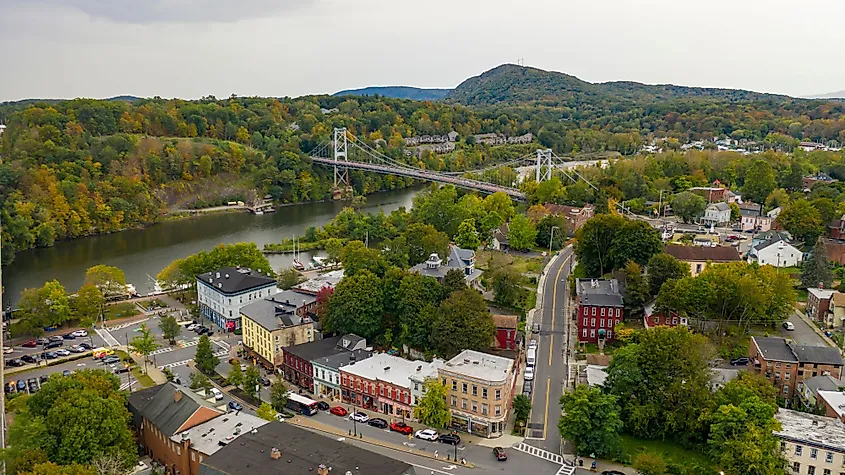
[191, 48]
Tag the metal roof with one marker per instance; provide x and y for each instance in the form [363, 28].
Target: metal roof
[230, 280]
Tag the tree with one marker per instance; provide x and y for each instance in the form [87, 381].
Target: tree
[431, 409]
[356, 258]
[595, 241]
[266, 412]
[144, 344]
[204, 358]
[663, 267]
[357, 306]
[760, 181]
[50, 468]
[170, 328]
[499, 203]
[424, 240]
[827, 209]
[591, 421]
[454, 280]
[521, 407]
[110, 280]
[549, 191]
[817, 271]
[544, 231]
[463, 323]
[735, 211]
[634, 241]
[86, 305]
[324, 297]
[288, 277]
[636, 288]
[649, 464]
[802, 220]
[522, 233]
[185, 271]
[44, 307]
[688, 205]
[334, 247]
[741, 438]
[200, 381]
[278, 394]
[507, 287]
[235, 376]
[252, 378]
[467, 237]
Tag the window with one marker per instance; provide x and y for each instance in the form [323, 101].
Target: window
[463, 403]
[814, 453]
[585, 321]
[474, 406]
[602, 311]
[783, 446]
[811, 470]
[454, 401]
[498, 410]
[484, 409]
[592, 322]
[178, 450]
[828, 457]
[454, 384]
[592, 333]
[193, 456]
[584, 333]
[617, 315]
[601, 323]
[777, 365]
[474, 390]
[826, 471]
[786, 389]
[697, 268]
[498, 394]
[798, 450]
[594, 311]
[464, 388]
[484, 393]
[786, 376]
[609, 334]
[796, 467]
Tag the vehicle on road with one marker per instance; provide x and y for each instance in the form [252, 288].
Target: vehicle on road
[110, 360]
[427, 434]
[119, 369]
[8, 350]
[529, 373]
[401, 427]
[218, 396]
[62, 352]
[50, 355]
[612, 472]
[451, 439]
[76, 349]
[500, 454]
[265, 382]
[235, 406]
[789, 326]
[359, 417]
[32, 359]
[85, 346]
[30, 344]
[243, 367]
[80, 333]
[302, 405]
[532, 345]
[527, 387]
[536, 328]
[66, 372]
[531, 356]
[739, 361]
[338, 411]
[380, 423]
[191, 327]
[323, 406]
[43, 378]
[54, 344]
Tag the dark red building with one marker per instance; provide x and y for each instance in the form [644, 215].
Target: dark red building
[652, 318]
[297, 365]
[506, 331]
[600, 307]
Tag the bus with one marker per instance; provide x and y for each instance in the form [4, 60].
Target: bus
[301, 404]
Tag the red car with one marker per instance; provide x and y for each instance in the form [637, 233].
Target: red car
[401, 427]
[500, 454]
[338, 411]
[30, 344]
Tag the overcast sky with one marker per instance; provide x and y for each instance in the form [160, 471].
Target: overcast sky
[191, 48]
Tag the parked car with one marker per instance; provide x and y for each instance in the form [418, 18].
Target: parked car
[612, 472]
[380, 423]
[21, 385]
[8, 350]
[323, 406]
[119, 369]
[15, 362]
[42, 341]
[62, 352]
[69, 336]
[536, 328]
[500, 454]
[33, 384]
[30, 344]
[10, 387]
[529, 373]
[243, 367]
[66, 372]
[532, 345]
[56, 338]
[32, 359]
[218, 396]
[235, 406]
[527, 388]
[339, 411]
[265, 382]
[451, 439]
[76, 349]
[739, 361]
[401, 428]
[789, 326]
[43, 378]
[53, 344]
[50, 355]
[80, 333]
[85, 346]
[359, 417]
[427, 434]
[110, 360]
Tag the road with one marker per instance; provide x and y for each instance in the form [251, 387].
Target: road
[551, 371]
[803, 333]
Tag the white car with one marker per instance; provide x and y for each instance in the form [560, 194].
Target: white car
[80, 333]
[7, 350]
[62, 352]
[243, 367]
[191, 327]
[789, 326]
[218, 396]
[359, 417]
[532, 344]
[427, 434]
[529, 373]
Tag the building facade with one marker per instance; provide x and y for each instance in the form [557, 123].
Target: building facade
[653, 318]
[835, 316]
[717, 213]
[506, 331]
[458, 259]
[776, 252]
[298, 367]
[599, 307]
[327, 371]
[221, 294]
[698, 257]
[812, 445]
[818, 303]
[381, 383]
[273, 323]
[752, 221]
[480, 388]
[787, 364]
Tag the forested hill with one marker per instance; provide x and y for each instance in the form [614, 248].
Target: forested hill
[398, 92]
[512, 84]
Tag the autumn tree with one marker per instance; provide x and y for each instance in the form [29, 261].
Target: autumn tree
[266, 412]
[110, 280]
[431, 409]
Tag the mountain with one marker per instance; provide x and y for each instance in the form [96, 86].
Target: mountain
[829, 95]
[513, 84]
[398, 92]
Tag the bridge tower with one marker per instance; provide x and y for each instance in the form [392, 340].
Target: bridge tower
[544, 165]
[342, 186]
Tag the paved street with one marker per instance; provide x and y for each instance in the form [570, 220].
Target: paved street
[803, 333]
[551, 372]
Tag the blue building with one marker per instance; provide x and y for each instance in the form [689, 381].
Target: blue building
[222, 293]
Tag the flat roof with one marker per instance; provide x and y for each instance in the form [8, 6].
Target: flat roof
[208, 436]
[810, 429]
[834, 399]
[279, 310]
[313, 286]
[381, 366]
[481, 366]
[775, 349]
[822, 294]
[231, 280]
[702, 253]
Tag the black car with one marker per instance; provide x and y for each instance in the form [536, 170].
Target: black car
[69, 336]
[15, 362]
[323, 406]
[742, 361]
[85, 346]
[30, 358]
[50, 355]
[265, 382]
[527, 388]
[42, 341]
[43, 378]
[612, 472]
[120, 369]
[452, 439]
[500, 454]
[33, 384]
[380, 423]
[53, 344]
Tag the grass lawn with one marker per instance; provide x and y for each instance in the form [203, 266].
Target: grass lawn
[121, 310]
[488, 260]
[801, 295]
[670, 451]
[143, 379]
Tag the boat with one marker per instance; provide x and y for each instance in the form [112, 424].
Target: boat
[258, 212]
[296, 264]
[319, 261]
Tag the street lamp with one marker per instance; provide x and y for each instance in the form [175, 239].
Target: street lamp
[552, 238]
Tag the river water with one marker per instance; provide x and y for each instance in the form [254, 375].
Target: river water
[143, 253]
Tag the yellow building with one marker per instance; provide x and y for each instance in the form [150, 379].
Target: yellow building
[698, 257]
[277, 322]
[835, 315]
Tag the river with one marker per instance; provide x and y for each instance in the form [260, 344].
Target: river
[144, 252]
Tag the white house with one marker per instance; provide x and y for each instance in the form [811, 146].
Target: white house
[774, 213]
[775, 252]
[222, 293]
[425, 371]
[717, 213]
[327, 370]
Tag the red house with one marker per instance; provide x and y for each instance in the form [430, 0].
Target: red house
[600, 307]
[506, 331]
[652, 319]
[297, 365]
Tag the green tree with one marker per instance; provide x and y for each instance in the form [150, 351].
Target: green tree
[634, 241]
[499, 203]
[47, 306]
[235, 376]
[802, 220]
[649, 464]
[431, 409]
[522, 234]
[185, 271]
[356, 258]
[663, 267]
[759, 181]
[144, 344]
[778, 198]
[591, 421]
[827, 208]
[50, 468]
[110, 280]
[86, 305]
[356, 306]
[423, 240]
[288, 277]
[549, 191]
[199, 381]
[204, 358]
[266, 412]
[278, 394]
[463, 323]
[467, 237]
[544, 231]
[454, 280]
[252, 378]
[735, 211]
[521, 407]
[170, 328]
[741, 438]
[595, 241]
[636, 289]
[688, 205]
[334, 248]
[817, 271]
[507, 287]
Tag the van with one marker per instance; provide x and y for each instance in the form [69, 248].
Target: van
[102, 353]
[531, 356]
[218, 396]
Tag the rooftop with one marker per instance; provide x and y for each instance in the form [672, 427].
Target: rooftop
[774, 240]
[313, 286]
[230, 280]
[810, 429]
[822, 383]
[720, 206]
[339, 360]
[600, 292]
[164, 409]
[299, 451]
[481, 366]
[388, 368]
[505, 321]
[779, 349]
[327, 347]
[774, 349]
[821, 294]
[596, 375]
[279, 310]
[702, 253]
[838, 299]
[210, 436]
[834, 399]
[458, 258]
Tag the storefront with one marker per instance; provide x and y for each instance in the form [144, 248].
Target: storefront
[481, 428]
[393, 408]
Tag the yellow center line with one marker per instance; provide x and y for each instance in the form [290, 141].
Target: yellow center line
[546, 414]
[551, 345]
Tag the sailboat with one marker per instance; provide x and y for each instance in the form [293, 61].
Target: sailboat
[296, 264]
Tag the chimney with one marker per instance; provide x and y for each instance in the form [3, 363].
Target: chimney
[322, 470]
[275, 453]
[177, 396]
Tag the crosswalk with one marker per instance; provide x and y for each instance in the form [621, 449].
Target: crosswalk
[543, 454]
[127, 325]
[107, 337]
[184, 362]
[566, 470]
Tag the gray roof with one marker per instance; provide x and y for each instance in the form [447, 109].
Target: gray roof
[159, 406]
[207, 437]
[750, 212]
[818, 354]
[776, 349]
[342, 359]
[779, 349]
[599, 292]
[230, 280]
[279, 310]
[822, 383]
[458, 259]
[812, 430]
[771, 241]
[721, 206]
[302, 451]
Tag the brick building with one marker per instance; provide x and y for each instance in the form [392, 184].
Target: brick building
[818, 303]
[298, 365]
[599, 308]
[506, 331]
[381, 383]
[787, 364]
[575, 217]
[653, 318]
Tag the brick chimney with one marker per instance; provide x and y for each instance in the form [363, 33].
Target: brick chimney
[177, 396]
[322, 470]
